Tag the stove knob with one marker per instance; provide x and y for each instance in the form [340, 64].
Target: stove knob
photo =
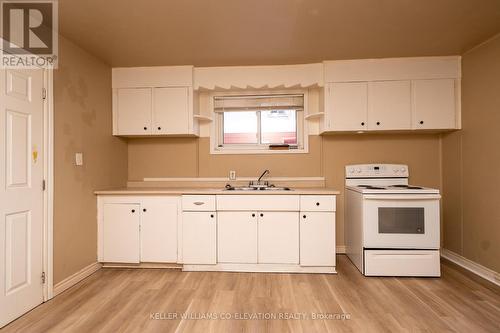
[351, 170]
[403, 169]
[358, 170]
[396, 170]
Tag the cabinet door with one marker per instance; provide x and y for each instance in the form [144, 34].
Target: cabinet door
[121, 232]
[434, 104]
[237, 237]
[134, 111]
[199, 238]
[317, 239]
[278, 238]
[171, 111]
[347, 106]
[389, 105]
[159, 229]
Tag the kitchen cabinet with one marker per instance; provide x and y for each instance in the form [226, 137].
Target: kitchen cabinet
[199, 237]
[153, 111]
[152, 101]
[278, 238]
[237, 237]
[158, 230]
[120, 232]
[389, 105]
[346, 106]
[434, 104]
[171, 110]
[317, 239]
[133, 229]
[133, 111]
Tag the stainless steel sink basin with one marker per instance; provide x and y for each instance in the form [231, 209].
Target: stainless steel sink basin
[256, 188]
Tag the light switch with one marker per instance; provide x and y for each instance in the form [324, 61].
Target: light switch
[232, 175]
[79, 159]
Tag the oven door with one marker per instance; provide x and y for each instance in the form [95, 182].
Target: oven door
[406, 221]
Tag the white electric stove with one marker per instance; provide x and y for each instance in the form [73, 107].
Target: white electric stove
[391, 228]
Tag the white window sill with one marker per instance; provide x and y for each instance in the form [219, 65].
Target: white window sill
[257, 151]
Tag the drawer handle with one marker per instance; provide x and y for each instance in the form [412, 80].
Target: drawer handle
[317, 203]
[198, 203]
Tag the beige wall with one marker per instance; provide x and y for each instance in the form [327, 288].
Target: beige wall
[190, 157]
[470, 162]
[82, 97]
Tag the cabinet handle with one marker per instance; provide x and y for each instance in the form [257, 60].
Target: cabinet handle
[253, 215]
[363, 123]
[317, 203]
[159, 128]
[261, 215]
[145, 128]
[144, 209]
[421, 122]
[304, 216]
[133, 210]
[212, 215]
[198, 203]
[378, 123]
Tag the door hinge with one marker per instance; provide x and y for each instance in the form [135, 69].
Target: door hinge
[43, 277]
[44, 185]
[44, 93]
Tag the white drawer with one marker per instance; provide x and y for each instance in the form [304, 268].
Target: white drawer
[205, 203]
[249, 202]
[317, 203]
[402, 263]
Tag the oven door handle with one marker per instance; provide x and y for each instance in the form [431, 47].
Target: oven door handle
[402, 196]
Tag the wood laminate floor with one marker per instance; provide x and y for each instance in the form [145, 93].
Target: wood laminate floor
[153, 300]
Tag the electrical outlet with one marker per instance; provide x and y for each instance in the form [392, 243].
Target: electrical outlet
[79, 159]
[232, 175]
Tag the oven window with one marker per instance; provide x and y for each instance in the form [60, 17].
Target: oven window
[401, 220]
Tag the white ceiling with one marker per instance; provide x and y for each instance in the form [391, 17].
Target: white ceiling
[237, 32]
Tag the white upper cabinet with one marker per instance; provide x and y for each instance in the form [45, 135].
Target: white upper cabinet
[434, 104]
[347, 103]
[392, 94]
[389, 105]
[134, 116]
[153, 101]
[170, 107]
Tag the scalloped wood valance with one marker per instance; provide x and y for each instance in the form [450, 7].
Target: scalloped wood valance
[258, 77]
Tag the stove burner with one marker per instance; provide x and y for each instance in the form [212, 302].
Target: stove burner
[410, 187]
[371, 187]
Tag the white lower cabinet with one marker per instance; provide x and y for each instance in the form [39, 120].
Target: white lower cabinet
[237, 237]
[120, 232]
[199, 238]
[133, 229]
[159, 229]
[317, 239]
[278, 238]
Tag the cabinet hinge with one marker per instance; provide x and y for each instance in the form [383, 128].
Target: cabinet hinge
[44, 185]
[43, 278]
[44, 93]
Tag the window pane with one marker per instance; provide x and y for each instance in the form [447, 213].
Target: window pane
[279, 127]
[240, 127]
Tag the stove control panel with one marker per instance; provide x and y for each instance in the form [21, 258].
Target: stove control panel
[376, 171]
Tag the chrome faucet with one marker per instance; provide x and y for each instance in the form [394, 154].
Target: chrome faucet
[258, 184]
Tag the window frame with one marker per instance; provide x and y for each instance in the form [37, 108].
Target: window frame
[217, 128]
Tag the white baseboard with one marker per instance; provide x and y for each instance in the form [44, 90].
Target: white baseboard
[340, 249]
[70, 281]
[472, 266]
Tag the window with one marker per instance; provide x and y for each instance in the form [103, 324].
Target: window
[249, 123]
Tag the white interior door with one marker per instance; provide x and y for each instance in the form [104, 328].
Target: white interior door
[21, 194]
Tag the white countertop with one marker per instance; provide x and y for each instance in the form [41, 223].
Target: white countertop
[220, 191]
